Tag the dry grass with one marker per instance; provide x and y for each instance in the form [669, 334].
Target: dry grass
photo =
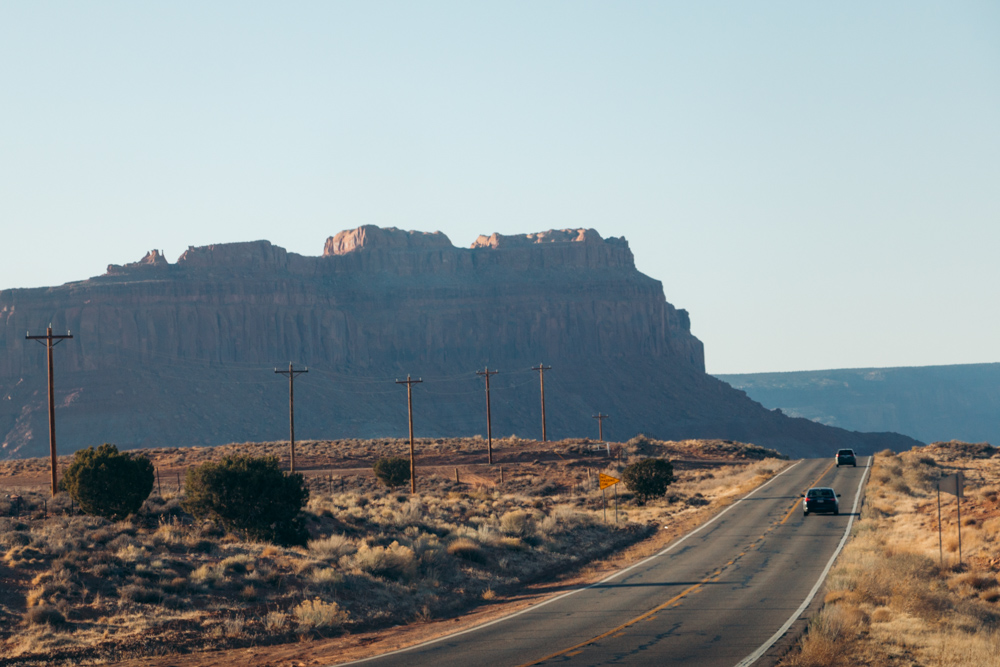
[890, 600]
[82, 589]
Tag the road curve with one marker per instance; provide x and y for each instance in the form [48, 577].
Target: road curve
[716, 596]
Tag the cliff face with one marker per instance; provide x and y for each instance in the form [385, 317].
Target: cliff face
[175, 354]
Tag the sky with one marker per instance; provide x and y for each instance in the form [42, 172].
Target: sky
[818, 184]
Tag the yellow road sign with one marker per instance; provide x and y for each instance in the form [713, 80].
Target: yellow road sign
[608, 480]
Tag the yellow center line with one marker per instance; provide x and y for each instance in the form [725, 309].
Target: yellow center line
[674, 601]
[815, 482]
[568, 651]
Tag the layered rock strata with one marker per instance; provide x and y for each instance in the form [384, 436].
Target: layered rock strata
[183, 353]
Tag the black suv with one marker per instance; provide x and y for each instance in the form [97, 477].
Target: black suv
[846, 457]
[820, 499]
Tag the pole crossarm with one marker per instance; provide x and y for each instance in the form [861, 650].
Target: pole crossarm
[409, 403]
[296, 373]
[50, 341]
[541, 368]
[489, 421]
[292, 373]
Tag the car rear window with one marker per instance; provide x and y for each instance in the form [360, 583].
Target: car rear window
[846, 451]
[820, 493]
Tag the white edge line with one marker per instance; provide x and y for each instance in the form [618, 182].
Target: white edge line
[672, 546]
[755, 656]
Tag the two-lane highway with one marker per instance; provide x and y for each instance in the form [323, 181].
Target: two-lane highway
[716, 596]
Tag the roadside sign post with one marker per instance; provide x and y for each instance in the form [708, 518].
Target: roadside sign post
[954, 485]
[606, 481]
[940, 547]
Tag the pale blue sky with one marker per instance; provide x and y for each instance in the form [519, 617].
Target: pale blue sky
[817, 183]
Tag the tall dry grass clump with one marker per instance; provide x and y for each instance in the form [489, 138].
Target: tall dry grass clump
[319, 615]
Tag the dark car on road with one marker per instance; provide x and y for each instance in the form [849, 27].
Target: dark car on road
[845, 457]
[820, 499]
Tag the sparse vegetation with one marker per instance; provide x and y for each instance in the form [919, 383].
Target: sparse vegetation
[165, 580]
[108, 483]
[251, 495]
[392, 471]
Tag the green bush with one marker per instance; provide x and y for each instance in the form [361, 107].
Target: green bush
[393, 470]
[107, 483]
[251, 495]
[648, 478]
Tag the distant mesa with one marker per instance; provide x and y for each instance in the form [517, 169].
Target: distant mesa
[167, 354]
[251, 255]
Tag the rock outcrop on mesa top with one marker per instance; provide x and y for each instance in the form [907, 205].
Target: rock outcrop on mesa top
[184, 353]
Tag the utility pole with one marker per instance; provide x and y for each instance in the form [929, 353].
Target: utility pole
[600, 425]
[51, 340]
[541, 375]
[409, 402]
[489, 425]
[291, 373]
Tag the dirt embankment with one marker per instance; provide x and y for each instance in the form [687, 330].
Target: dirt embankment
[906, 590]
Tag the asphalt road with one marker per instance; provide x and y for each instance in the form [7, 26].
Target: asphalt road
[716, 596]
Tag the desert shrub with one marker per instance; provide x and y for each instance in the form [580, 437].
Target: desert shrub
[517, 524]
[45, 615]
[333, 547]
[140, 594]
[648, 478]
[393, 562]
[108, 483]
[206, 574]
[326, 578]
[466, 549]
[637, 444]
[232, 627]
[697, 500]
[275, 621]
[392, 470]
[319, 615]
[14, 539]
[562, 520]
[249, 494]
[235, 564]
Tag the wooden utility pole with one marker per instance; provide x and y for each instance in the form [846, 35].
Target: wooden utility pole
[409, 403]
[541, 375]
[489, 423]
[51, 340]
[600, 425]
[291, 373]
